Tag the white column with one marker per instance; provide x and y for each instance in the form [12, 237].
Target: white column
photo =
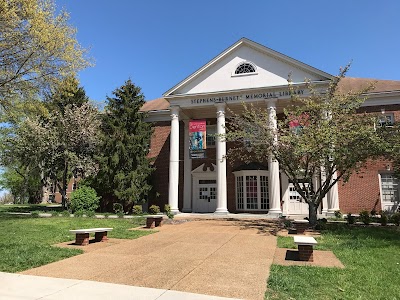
[174, 160]
[333, 197]
[285, 193]
[273, 165]
[187, 172]
[325, 199]
[222, 205]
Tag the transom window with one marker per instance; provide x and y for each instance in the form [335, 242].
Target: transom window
[244, 68]
[252, 190]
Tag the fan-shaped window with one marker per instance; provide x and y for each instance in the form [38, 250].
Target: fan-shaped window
[245, 68]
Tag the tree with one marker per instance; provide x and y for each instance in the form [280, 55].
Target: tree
[124, 168]
[37, 48]
[321, 134]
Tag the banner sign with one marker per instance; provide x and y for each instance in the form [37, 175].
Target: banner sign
[197, 139]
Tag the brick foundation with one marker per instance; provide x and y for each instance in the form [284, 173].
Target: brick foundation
[82, 239]
[306, 253]
[101, 236]
[301, 227]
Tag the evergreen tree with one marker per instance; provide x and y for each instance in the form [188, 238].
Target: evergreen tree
[124, 168]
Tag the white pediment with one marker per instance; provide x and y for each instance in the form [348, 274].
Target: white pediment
[272, 70]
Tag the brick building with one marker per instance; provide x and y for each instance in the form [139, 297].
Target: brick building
[252, 73]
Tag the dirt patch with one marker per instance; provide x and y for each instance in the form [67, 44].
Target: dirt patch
[289, 257]
[93, 246]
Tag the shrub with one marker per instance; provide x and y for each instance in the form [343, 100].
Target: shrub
[365, 217]
[65, 213]
[137, 210]
[84, 199]
[321, 224]
[167, 209]
[373, 212]
[35, 214]
[384, 219]
[395, 218]
[338, 214]
[118, 208]
[78, 214]
[54, 213]
[90, 214]
[120, 214]
[350, 219]
[154, 209]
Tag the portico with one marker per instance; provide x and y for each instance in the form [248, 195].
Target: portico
[246, 72]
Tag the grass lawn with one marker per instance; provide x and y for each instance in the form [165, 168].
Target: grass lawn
[26, 242]
[371, 256]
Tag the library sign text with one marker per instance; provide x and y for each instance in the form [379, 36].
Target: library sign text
[244, 97]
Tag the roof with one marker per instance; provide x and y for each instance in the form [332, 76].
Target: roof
[156, 104]
[347, 84]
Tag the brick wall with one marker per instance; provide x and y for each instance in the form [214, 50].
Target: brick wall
[362, 191]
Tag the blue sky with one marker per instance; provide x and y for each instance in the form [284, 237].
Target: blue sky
[159, 43]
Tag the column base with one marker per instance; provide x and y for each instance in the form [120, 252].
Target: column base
[331, 212]
[175, 211]
[275, 213]
[221, 211]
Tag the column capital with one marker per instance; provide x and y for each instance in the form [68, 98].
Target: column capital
[220, 105]
[271, 102]
[174, 112]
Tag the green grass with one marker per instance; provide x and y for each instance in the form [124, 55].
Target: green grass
[371, 256]
[26, 242]
[26, 208]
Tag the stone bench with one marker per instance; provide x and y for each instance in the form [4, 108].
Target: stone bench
[154, 221]
[82, 235]
[301, 226]
[305, 245]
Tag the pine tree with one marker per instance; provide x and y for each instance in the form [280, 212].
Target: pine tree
[124, 168]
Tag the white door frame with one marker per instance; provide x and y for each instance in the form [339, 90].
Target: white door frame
[200, 174]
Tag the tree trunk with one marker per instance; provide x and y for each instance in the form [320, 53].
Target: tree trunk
[312, 213]
[64, 185]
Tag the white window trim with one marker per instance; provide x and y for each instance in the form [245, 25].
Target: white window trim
[243, 174]
[385, 172]
[245, 74]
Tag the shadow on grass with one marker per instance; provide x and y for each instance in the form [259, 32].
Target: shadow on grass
[29, 208]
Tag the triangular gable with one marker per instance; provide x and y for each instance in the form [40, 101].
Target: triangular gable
[272, 69]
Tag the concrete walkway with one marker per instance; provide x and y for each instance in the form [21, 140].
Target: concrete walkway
[17, 286]
[213, 257]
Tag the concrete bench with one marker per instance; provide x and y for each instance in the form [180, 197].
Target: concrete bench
[154, 221]
[301, 226]
[82, 235]
[305, 245]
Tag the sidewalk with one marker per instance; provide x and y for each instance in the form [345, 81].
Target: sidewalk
[18, 286]
[225, 258]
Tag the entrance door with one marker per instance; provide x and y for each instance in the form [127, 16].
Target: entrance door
[206, 201]
[297, 206]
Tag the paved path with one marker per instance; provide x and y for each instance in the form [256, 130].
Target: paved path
[28, 287]
[218, 257]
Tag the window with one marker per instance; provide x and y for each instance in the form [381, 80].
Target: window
[252, 190]
[386, 120]
[245, 68]
[210, 138]
[293, 194]
[390, 188]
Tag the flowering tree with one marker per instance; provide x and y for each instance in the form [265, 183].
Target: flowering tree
[320, 135]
